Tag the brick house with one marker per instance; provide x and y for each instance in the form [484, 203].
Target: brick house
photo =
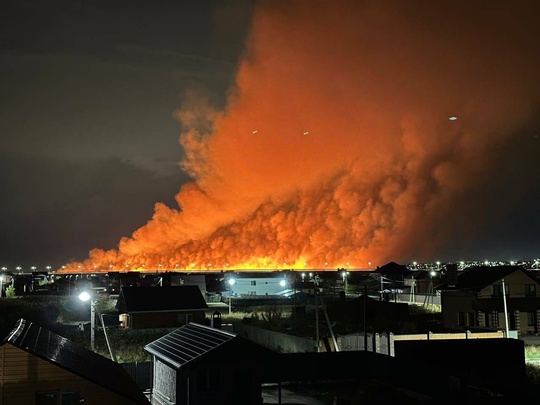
[473, 298]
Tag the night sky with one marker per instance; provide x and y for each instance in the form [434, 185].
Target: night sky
[207, 134]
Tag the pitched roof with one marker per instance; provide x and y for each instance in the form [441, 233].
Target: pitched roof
[152, 299]
[191, 343]
[476, 278]
[393, 270]
[64, 353]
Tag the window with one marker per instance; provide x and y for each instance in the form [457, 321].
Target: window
[487, 319]
[531, 318]
[461, 318]
[58, 398]
[496, 290]
[47, 398]
[183, 319]
[470, 319]
[253, 282]
[530, 290]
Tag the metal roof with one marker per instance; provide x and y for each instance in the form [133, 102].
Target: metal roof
[188, 343]
[64, 353]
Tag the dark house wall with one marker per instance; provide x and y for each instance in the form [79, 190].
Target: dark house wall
[381, 316]
[494, 364]
[141, 320]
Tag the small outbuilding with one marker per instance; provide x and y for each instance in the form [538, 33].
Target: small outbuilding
[198, 364]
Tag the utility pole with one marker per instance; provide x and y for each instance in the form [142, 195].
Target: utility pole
[93, 320]
[505, 309]
[365, 317]
[316, 285]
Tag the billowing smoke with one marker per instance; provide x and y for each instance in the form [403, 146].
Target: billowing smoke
[336, 145]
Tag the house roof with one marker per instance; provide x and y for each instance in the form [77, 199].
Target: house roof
[393, 270]
[157, 299]
[193, 343]
[476, 278]
[65, 354]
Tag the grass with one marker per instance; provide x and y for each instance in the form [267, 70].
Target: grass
[532, 354]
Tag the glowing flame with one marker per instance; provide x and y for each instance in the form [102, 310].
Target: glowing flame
[382, 173]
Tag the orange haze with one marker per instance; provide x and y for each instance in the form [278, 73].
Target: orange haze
[335, 147]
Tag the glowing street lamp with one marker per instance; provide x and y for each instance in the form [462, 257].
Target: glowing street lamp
[344, 274]
[231, 283]
[84, 297]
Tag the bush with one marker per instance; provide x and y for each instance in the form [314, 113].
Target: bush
[10, 292]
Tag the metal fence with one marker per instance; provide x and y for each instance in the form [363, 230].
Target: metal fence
[142, 373]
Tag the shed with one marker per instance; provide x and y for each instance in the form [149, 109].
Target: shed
[197, 364]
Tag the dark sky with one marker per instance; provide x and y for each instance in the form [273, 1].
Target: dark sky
[88, 91]
[95, 125]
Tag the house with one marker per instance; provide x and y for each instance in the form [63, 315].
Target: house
[256, 285]
[474, 298]
[160, 307]
[197, 364]
[38, 366]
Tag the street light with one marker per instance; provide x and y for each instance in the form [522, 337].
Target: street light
[231, 283]
[85, 296]
[344, 274]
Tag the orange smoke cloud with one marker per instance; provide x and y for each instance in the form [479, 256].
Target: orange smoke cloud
[335, 147]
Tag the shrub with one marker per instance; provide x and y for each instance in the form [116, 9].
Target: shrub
[10, 292]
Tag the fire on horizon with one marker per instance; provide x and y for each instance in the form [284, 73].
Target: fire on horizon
[343, 145]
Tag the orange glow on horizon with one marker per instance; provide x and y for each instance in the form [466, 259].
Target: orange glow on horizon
[335, 145]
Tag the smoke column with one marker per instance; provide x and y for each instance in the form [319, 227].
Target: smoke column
[335, 147]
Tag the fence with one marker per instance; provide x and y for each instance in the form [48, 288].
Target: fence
[376, 342]
[384, 342]
[280, 342]
[142, 373]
